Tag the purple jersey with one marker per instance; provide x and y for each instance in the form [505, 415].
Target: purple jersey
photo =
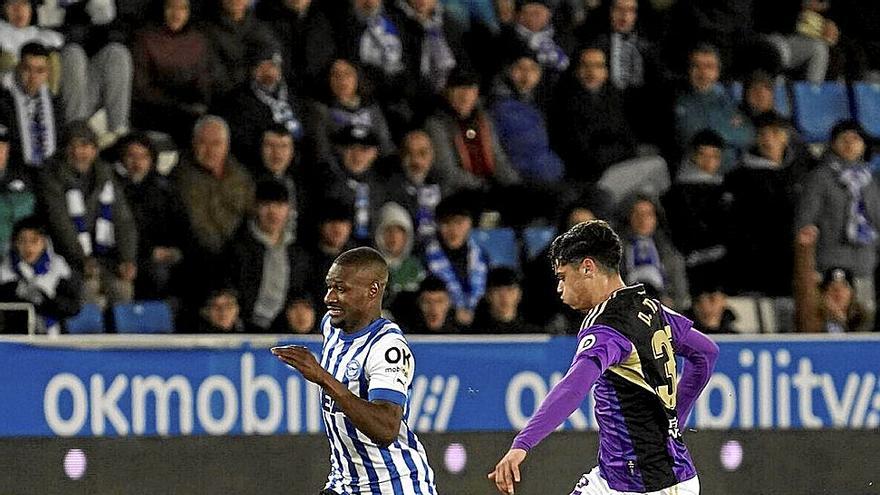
[640, 443]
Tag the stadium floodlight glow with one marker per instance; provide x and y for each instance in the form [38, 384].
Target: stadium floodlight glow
[455, 458]
[731, 455]
[75, 464]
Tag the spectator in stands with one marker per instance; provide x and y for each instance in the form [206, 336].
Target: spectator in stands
[828, 303]
[301, 315]
[593, 135]
[705, 104]
[457, 259]
[367, 34]
[260, 103]
[433, 315]
[432, 44]
[758, 95]
[763, 192]
[172, 73]
[841, 198]
[346, 104]
[500, 311]
[96, 66]
[231, 31]
[468, 154]
[334, 225]
[216, 191]
[160, 217]
[709, 310]
[353, 176]
[30, 111]
[649, 257]
[697, 210]
[394, 239]
[88, 217]
[801, 34]
[31, 272]
[278, 160]
[306, 38]
[16, 30]
[416, 185]
[533, 32]
[264, 265]
[16, 191]
[220, 313]
[518, 114]
[541, 305]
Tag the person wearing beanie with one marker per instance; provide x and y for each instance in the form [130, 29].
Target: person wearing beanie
[32, 272]
[500, 311]
[394, 239]
[841, 199]
[263, 264]
[88, 217]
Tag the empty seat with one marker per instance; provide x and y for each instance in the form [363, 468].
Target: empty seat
[866, 102]
[818, 107]
[500, 246]
[90, 319]
[143, 317]
[536, 239]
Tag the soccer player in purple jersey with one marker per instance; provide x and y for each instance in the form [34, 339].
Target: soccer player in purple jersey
[627, 348]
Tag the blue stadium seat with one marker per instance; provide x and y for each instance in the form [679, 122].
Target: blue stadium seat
[866, 103]
[89, 320]
[818, 107]
[500, 246]
[143, 317]
[536, 239]
[781, 101]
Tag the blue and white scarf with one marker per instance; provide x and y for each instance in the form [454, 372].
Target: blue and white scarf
[103, 239]
[361, 208]
[643, 264]
[381, 46]
[45, 274]
[427, 198]
[855, 178]
[279, 104]
[36, 122]
[342, 117]
[462, 296]
[549, 54]
[437, 58]
[627, 66]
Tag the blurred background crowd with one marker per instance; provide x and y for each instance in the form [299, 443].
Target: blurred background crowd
[210, 158]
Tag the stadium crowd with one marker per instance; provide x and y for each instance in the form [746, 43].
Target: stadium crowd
[300, 128]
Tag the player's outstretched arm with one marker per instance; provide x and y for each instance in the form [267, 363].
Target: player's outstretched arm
[700, 354]
[379, 420]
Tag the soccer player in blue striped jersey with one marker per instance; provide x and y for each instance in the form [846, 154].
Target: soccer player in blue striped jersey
[365, 374]
[627, 348]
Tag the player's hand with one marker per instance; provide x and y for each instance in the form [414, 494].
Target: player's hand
[507, 471]
[807, 235]
[303, 360]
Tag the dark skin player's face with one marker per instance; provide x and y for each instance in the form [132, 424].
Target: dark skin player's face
[351, 294]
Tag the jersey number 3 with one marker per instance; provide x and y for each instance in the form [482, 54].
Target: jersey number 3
[661, 343]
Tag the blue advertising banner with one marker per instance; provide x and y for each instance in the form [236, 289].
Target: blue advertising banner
[239, 388]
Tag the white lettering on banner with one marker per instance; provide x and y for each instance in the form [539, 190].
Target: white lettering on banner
[250, 387]
[724, 387]
[58, 384]
[161, 390]
[521, 382]
[105, 404]
[431, 402]
[224, 424]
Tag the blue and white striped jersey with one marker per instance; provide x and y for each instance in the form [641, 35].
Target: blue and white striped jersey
[374, 363]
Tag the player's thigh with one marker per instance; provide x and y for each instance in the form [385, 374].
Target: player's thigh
[592, 484]
[689, 487]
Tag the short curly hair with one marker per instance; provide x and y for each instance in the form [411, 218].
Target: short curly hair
[592, 239]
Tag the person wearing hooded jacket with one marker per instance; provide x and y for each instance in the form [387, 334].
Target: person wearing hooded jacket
[394, 239]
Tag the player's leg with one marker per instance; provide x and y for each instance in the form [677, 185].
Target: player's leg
[592, 484]
[689, 487]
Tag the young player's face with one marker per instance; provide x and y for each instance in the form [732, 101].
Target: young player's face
[574, 286]
[348, 296]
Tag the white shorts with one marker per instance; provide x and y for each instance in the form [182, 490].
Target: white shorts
[594, 484]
